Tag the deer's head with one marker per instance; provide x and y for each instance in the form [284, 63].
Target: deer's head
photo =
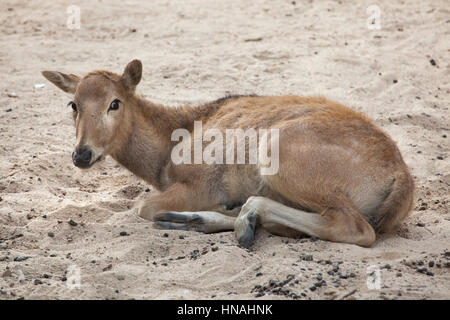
[101, 108]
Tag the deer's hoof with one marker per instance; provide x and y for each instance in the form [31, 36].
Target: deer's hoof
[178, 226]
[177, 217]
[179, 221]
[244, 229]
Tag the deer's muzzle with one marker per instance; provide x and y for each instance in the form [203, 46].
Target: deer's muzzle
[82, 157]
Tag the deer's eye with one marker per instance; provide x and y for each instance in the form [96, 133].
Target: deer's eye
[73, 105]
[114, 105]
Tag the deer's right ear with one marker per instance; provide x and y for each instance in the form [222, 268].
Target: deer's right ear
[66, 82]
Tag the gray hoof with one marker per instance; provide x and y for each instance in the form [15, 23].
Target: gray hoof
[179, 221]
[178, 226]
[177, 217]
[246, 239]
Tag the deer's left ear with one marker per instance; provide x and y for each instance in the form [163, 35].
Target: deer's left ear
[66, 82]
[132, 74]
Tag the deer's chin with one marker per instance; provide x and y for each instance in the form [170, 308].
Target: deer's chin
[98, 159]
[91, 164]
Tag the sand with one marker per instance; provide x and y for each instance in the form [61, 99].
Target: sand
[193, 52]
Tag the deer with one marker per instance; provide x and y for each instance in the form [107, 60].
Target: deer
[340, 178]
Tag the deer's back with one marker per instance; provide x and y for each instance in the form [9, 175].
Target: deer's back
[310, 121]
[277, 112]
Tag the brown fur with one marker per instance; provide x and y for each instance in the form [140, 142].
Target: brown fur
[340, 176]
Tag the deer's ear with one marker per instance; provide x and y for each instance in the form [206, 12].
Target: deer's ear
[132, 74]
[66, 82]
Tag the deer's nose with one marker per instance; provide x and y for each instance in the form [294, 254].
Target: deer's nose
[82, 157]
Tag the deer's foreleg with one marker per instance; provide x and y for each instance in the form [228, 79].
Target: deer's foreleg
[182, 208]
[201, 221]
[178, 197]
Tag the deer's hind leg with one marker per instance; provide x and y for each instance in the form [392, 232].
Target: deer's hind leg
[342, 224]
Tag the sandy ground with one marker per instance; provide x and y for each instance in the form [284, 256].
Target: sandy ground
[195, 51]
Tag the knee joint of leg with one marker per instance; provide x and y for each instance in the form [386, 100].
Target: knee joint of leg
[366, 237]
[146, 212]
[253, 203]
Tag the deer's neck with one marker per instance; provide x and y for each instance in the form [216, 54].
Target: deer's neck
[146, 145]
[167, 119]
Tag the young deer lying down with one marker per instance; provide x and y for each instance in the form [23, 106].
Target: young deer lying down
[339, 177]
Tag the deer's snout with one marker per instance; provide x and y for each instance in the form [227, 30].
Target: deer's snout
[82, 157]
